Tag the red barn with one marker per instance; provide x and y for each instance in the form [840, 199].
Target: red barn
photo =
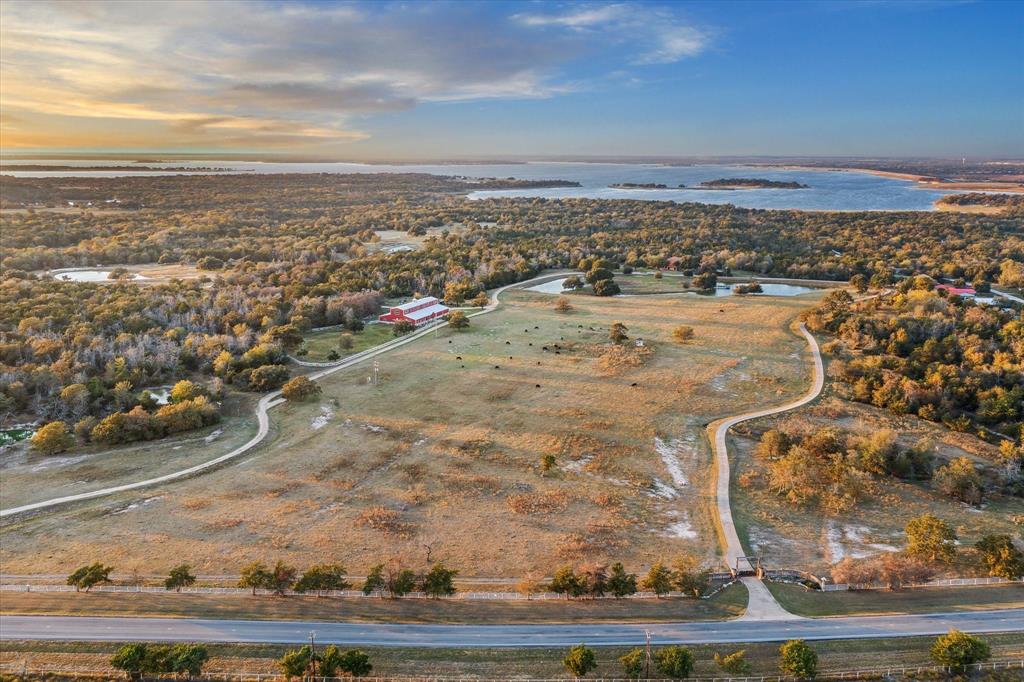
[956, 291]
[418, 312]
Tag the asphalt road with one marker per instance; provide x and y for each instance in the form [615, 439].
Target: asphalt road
[462, 636]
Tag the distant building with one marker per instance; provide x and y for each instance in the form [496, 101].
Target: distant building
[966, 292]
[418, 312]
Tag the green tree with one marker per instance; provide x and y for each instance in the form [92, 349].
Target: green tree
[323, 578]
[354, 662]
[457, 320]
[658, 579]
[439, 581]
[960, 480]
[1000, 556]
[179, 577]
[300, 389]
[735, 663]
[567, 582]
[959, 649]
[130, 658]
[620, 583]
[186, 390]
[606, 287]
[859, 282]
[86, 577]
[254, 576]
[688, 576]
[633, 663]
[297, 662]
[674, 662]
[188, 659]
[930, 538]
[572, 283]
[398, 580]
[580, 660]
[402, 327]
[798, 659]
[598, 274]
[374, 580]
[52, 438]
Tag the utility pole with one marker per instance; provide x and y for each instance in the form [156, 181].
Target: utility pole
[647, 655]
[376, 372]
[312, 652]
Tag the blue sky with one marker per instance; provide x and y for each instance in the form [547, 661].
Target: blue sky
[447, 80]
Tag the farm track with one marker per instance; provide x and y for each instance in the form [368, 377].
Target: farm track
[267, 402]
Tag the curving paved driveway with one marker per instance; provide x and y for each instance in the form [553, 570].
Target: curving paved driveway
[266, 403]
[761, 604]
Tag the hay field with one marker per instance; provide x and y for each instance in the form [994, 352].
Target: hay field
[441, 460]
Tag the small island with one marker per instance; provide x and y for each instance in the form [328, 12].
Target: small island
[637, 185]
[750, 183]
[514, 183]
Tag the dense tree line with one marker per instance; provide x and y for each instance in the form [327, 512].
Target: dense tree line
[285, 253]
[920, 351]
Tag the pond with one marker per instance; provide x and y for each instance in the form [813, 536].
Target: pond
[88, 275]
[16, 434]
[767, 289]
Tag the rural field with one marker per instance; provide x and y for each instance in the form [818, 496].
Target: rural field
[542, 663]
[442, 459]
[788, 536]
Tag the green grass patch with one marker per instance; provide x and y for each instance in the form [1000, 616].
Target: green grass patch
[319, 344]
[915, 600]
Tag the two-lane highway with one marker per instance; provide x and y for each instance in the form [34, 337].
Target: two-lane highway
[71, 628]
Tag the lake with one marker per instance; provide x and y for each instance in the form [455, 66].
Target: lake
[828, 190]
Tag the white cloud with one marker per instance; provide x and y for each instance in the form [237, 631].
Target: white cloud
[197, 72]
[655, 35]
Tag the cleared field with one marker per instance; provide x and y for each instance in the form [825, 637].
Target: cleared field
[804, 602]
[512, 663]
[728, 603]
[31, 477]
[320, 343]
[441, 460]
[789, 536]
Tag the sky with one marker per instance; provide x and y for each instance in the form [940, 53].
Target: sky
[462, 80]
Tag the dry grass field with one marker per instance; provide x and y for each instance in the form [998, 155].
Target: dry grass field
[539, 662]
[442, 459]
[785, 535]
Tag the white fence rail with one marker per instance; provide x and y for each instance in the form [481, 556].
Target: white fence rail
[945, 582]
[866, 673]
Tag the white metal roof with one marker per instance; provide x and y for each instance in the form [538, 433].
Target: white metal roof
[427, 312]
[418, 302]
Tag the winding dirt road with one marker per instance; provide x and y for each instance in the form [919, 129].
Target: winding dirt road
[267, 402]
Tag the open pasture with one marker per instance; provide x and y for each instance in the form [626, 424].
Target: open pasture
[442, 458]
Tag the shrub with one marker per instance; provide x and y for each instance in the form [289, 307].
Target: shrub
[52, 438]
[179, 577]
[633, 663]
[735, 663]
[402, 327]
[959, 649]
[300, 389]
[798, 659]
[580, 660]
[1000, 556]
[682, 333]
[674, 662]
[930, 538]
[606, 287]
[457, 320]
